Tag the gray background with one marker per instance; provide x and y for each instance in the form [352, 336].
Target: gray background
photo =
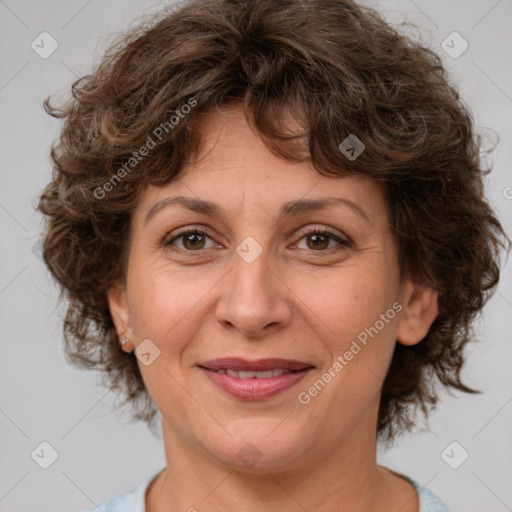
[42, 398]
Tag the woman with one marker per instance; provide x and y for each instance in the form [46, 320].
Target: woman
[268, 218]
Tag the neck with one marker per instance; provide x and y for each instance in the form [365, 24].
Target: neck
[344, 477]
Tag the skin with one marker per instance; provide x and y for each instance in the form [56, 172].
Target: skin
[297, 300]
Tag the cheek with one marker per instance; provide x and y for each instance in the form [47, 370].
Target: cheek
[164, 300]
[347, 305]
[355, 321]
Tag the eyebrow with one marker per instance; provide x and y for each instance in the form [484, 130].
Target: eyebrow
[288, 209]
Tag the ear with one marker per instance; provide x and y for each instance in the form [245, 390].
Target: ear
[419, 312]
[118, 305]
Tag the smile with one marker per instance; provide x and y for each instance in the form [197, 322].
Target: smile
[254, 387]
[247, 374]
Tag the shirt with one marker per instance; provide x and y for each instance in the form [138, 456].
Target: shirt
[135, 501]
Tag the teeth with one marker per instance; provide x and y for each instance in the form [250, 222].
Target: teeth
[276, 373]
[244, 374]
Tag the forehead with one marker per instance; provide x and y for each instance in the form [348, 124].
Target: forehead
[236, 173]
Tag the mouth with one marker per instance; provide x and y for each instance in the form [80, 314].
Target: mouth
[251, 374]
[260, 369]
[253, 380]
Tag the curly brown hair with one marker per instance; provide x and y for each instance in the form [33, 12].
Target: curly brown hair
[338, 68]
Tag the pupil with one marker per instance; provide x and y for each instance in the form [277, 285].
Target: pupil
[317, 237]
[191, 236]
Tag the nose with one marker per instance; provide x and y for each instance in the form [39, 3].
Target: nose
[254, 299]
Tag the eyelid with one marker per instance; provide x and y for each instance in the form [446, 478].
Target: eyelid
[322, 229]
[339, 237]
[187, 229]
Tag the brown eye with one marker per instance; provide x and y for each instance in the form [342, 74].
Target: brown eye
[192, 240]
[318, 240]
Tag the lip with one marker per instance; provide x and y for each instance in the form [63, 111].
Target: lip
[254, 389]
[260, 365]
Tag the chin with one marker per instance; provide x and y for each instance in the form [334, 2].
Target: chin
[258, 448]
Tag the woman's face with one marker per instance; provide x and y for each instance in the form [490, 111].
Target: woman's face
[258, 285]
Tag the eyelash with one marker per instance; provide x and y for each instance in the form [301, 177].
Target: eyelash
[344, 243]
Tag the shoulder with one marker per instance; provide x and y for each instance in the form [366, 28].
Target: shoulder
[429, 502]
[130, 502]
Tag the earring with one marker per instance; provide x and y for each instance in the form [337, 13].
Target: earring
[123, 343]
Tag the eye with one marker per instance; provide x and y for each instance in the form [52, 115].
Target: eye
[193, 240]
[319, 239]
